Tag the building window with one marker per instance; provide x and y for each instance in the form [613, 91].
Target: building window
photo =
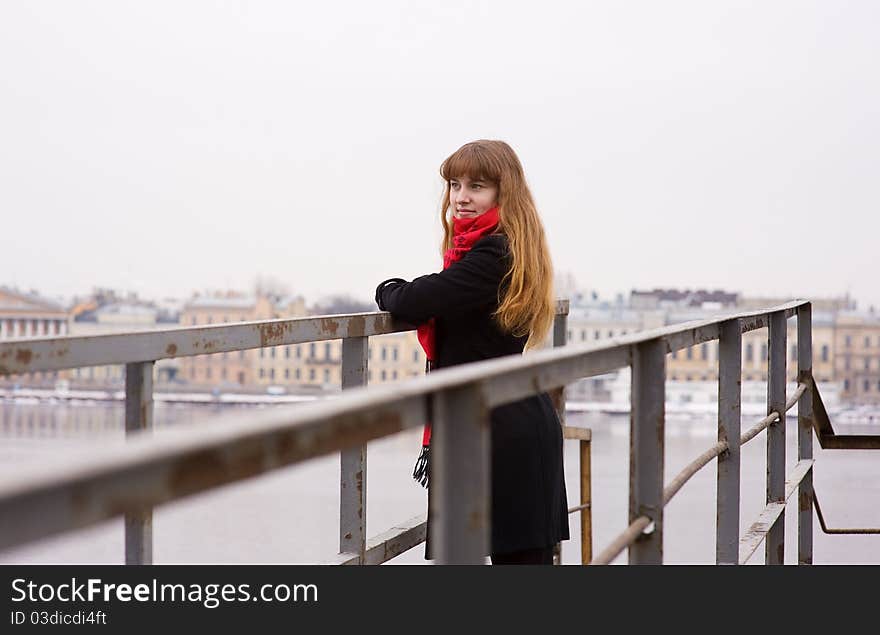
[846, 384]
[595, 335]
[272, 353]
[867, 342]
[847, 341]
[394, 374]
[415, 355]
[394, 353]
[262, 353]
[867, 386]
[687, 377]
[287, 352]
[286, 373]
[583, 335]
[867, 363]
[297, 374]
[825, 352]
[298, 353]
[846, 362]
[384, 356]
[764, 351]
[674, 377]
[311, 374]
[610, 333]
[262, 373]
[624, 332]
[271, 373]
[704, 351]
[690, 355]
[312, 350]
[327, 350]
[383, 375]
[326, 375]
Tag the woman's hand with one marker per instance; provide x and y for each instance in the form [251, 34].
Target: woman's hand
[381, 287]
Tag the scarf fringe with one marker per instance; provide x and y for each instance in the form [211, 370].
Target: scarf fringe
[420, 471]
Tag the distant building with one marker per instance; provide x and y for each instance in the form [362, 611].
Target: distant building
[857, 358]
[28, 315]
[311, 365]
[680, 298]
[231, 368]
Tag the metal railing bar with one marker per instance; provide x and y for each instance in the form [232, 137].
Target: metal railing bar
[391, 543]
[828, 439]
[692, 468]
[761, 527]
[827, 530]
[42, 354]
[75, 351]
[154, 470]
[624, 540]
[578, 508]
[753, 538]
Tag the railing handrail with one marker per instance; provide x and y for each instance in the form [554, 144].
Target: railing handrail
[194, 458]
[74, 351]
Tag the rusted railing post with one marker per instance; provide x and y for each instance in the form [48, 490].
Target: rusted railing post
[647, 417]
[460, 477]
[805, 433]
[139, 418]
[774, 544]
[560, 337]
[353, 461]
[729, 424]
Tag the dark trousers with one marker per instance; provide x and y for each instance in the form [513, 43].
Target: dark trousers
[526, 556]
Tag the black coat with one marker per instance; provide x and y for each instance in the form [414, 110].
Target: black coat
[529, 506]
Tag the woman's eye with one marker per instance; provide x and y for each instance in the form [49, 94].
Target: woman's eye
[477, 186]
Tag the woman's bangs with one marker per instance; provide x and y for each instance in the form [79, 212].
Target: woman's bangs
[470, 162]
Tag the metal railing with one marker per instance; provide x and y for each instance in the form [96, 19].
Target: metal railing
[148, 471]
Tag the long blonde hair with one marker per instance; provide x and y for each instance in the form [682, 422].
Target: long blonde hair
[527, 307]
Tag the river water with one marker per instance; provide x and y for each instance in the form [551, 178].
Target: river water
[291, 515]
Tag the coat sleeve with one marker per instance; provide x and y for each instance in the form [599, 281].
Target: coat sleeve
[471, 283]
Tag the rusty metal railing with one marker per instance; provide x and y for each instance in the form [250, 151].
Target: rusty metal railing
[148, 471]
[139, 352]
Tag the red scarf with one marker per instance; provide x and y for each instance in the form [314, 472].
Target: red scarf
[465, 234]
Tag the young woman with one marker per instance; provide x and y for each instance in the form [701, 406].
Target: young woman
[494, 297]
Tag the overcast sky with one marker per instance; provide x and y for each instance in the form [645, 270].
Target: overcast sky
[166, 147]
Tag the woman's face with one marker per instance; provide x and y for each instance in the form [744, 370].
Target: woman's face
[470, 199]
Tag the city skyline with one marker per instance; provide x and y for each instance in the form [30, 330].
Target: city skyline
[169, 147]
